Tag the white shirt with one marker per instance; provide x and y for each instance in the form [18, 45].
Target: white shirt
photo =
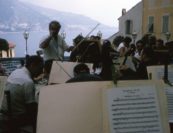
[137, 55]
[120, 46]
[20, 76]
[56, 49]
[22, 91]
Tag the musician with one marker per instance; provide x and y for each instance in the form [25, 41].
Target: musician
[147, 59]
[53, 45]
[86, 50]
[82, 74]
[124, 46]
[76, 53]
[107, 60]
[20, 84]
[160, 44]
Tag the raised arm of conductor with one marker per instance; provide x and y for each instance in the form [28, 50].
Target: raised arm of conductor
[45, 43]
[54, 28]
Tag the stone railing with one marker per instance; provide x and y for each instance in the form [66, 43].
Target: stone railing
[10, 64]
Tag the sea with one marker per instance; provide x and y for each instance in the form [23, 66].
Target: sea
[35, 38]
[33, 41]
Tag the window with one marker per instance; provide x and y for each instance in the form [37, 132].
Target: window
[165, 22]
[128, 26]
[151, 24]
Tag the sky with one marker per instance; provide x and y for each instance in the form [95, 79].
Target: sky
[104, 11]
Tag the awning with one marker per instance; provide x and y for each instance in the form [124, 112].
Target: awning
[4, 44]
[11, 45]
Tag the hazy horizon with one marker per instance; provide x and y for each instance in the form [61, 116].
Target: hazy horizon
[104, 11]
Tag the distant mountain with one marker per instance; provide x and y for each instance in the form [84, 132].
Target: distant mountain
[17, 16]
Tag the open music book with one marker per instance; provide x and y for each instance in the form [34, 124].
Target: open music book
[156, 73]
[169, 94]
[101, 107]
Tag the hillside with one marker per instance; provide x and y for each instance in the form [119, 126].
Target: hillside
[17, 16]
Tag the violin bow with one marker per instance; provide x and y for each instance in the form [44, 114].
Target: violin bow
[85, 37]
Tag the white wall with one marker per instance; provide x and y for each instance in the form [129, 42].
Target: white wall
[135, 15]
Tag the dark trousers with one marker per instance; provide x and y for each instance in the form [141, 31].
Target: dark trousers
[17, 124]
[48, 66]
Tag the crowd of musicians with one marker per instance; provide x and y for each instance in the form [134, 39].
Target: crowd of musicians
[121, 59]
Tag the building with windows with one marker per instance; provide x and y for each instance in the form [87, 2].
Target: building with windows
[147, 17]
[130, 23]
[158, 18]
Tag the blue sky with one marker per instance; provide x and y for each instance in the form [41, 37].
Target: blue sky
[105, 11]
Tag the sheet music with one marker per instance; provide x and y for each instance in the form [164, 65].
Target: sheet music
[134, 110]
[160, 74]
[130, 64]
[169, 94]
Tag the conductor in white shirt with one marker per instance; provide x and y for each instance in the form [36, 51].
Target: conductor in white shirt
[53, 46]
